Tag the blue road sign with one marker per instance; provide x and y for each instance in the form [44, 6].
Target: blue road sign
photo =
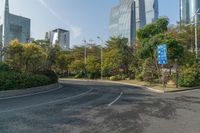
[162, 54]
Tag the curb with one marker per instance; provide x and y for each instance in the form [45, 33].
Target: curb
[116, 82]
[144, 87]
[28, 92]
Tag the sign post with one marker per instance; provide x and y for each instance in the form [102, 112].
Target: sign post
[162, 58]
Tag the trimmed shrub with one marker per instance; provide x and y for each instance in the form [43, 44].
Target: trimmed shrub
[14, 80]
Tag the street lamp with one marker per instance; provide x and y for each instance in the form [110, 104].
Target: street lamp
[98, 37]
[85, 55]
[196, 32]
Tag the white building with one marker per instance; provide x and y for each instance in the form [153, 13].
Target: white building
[60, 37]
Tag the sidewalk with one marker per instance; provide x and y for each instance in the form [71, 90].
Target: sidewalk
[158, 88]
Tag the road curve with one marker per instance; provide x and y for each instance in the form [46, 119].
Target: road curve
[93, 107]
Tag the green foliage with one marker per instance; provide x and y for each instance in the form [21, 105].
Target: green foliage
[150, 30]
[189, 75]
[53, 77]
[117, 56]
[15, 80]
[4, 67]
[113, 78]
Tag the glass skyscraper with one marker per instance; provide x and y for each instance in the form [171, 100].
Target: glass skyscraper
[122, 20]
[188, 9]
[131, 15]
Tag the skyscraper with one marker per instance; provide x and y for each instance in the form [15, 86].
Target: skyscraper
[122, 20]
[14, 27]
[60, 37]
[188, 9]
[131, 15]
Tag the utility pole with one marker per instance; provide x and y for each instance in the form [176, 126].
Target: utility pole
[85, 56]
[196, 36]
[98, 37]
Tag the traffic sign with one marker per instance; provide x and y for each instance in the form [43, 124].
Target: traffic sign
[162, 54]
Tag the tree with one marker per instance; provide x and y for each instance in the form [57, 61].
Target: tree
[117, 56]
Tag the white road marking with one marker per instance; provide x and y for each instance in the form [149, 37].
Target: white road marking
[50, 102]
[32, 94]
[115, 99]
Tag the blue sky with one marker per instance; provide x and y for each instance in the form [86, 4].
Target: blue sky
[86, 19]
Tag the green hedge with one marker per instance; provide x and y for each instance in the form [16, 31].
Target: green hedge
[15, 80]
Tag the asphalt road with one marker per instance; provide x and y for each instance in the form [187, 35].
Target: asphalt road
[94, 107]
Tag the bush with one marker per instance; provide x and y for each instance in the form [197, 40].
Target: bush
[4, 67]
[188, 76]
[14, 80]
[50, 74]
[113, 78]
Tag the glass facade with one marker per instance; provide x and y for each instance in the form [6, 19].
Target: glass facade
[15, 27]
[188, 9]
[122, 20]
[131, 15]
[151, 10]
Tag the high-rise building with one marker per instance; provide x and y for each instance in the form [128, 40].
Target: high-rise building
[151, 10]
[14, 27]
[122, 20]
[131, 15]
[188, 9]
[59, 37]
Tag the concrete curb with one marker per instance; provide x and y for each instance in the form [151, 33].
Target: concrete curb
[30, 91]
[144, 87]
[116, 82]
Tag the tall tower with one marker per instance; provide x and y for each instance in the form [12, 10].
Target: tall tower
[188, 9]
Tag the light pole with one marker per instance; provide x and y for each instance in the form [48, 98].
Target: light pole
[85, 56]
[196, 32]
[98, 37]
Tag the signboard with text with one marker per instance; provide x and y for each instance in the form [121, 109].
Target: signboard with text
[162, 54]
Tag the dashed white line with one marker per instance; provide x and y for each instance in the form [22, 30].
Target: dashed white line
[50, 102]
[115, 99]
[32, 94]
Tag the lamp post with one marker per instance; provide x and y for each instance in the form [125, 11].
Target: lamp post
[85, 56]
[98, 37]
[196, 32]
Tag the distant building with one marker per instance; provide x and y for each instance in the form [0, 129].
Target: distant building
[60, 37]
[14, 27]
[188, 9]
[131, 15]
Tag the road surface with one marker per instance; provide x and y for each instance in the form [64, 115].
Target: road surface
[94, 107]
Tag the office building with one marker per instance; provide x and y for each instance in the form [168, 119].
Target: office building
[188, 9]
[151, 11]
[14, 27]
[131, 15]
[122, 20]
[59, 37]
